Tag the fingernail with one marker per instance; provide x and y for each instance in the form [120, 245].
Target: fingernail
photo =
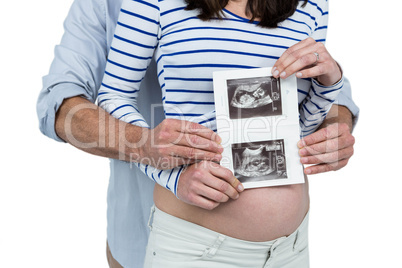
[276, 73]
[283, 74]
[301, 144]
[273, 70]
[299, 75]
[304, 160]
[303, 152]
[307, 171]
[240, 187]
[218, 157]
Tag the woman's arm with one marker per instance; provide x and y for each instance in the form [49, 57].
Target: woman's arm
[136, 37]
[309, 59]
[133, 46]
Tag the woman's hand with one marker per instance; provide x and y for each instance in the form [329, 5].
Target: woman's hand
[206, 184]
[308, 59]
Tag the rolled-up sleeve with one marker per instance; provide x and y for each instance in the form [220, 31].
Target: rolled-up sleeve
[78, 64]
[344, 98]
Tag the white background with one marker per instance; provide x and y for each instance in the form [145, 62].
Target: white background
[53, 196]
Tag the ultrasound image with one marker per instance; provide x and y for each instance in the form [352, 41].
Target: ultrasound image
[254, 97]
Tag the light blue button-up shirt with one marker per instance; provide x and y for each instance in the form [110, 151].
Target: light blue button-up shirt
[77, 69]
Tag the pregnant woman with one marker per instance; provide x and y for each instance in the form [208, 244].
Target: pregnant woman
[264, 227]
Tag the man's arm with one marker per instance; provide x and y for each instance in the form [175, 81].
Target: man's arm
[93, 130]
[75, 76]
[338, 115]
[331, 147]
[65, 107]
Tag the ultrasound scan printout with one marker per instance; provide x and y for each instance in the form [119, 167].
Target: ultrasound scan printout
[258, 121]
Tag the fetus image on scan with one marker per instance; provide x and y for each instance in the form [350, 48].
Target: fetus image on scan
[254, 97]
[259, 161]
[250, 96]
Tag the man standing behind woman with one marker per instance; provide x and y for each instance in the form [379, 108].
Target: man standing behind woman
[264, 227]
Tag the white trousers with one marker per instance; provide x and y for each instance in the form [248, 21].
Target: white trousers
[176, 243]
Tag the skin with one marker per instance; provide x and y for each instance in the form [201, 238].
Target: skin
[331, 147]
[88, 124]
[93, 130]
[264, 214]
[172, 143]
[328, 149]
[204, 183]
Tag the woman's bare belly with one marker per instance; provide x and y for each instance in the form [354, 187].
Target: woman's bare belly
[259, 214]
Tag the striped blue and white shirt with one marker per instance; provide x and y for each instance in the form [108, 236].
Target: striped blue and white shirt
[188, 51]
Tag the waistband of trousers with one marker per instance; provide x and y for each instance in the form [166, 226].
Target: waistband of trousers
[183, 229]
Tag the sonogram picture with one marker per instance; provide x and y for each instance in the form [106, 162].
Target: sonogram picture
[258, 121]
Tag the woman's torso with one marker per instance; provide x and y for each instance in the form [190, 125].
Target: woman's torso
[189, 50]
[260, 214]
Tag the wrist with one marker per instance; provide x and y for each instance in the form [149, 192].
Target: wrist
[338, 115]
[134, 143]
[331, 78]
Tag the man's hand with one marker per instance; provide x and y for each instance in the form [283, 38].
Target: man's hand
[328, 149]
[176, 142]
[207, 184]
[172, 143]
